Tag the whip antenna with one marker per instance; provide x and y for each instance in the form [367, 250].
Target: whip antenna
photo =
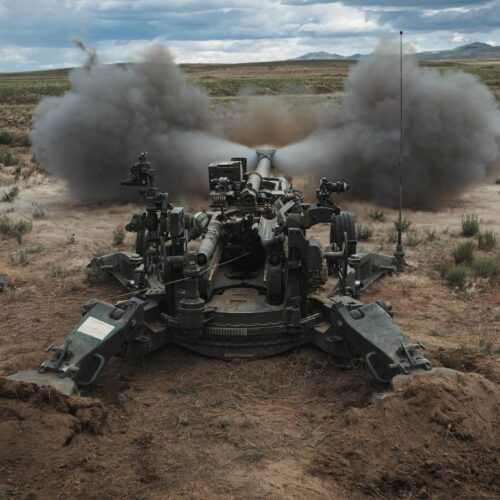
[400, 254]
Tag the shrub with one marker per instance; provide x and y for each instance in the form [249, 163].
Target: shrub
[22, 140]
[364, 232]
[430, 233]
[37, 210]
[15, 229]
[485, 266]
[486, 240]
[404, 225]
[463, 253]
[118, 235]
[9, 138]
[488, 344]
[457, 274]
[470, 225]
[20, 228]
[413, 238]
[20, 256]
[8, 159]
[5, 225]
[18, 293]
[376, 215]
[391, 235]
[9, 195]
[6, 137]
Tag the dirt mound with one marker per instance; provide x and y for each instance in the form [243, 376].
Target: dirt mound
[465, 360]
[86, 414]
[36, 425]
[437, 435]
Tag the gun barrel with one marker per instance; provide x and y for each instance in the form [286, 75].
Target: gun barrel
[209, 243]
[254, 179]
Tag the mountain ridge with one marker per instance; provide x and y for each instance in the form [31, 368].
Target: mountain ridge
[474, 50]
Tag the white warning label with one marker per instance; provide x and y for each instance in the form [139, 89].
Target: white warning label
[95, 328]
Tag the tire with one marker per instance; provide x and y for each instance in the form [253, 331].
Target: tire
[344, 223]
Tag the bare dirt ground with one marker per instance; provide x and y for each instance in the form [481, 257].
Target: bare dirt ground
[301, 425]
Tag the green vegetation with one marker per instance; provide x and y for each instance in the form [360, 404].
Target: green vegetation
[364, 232]
[487, 240]
[20, 256]
[37, 210]
[377, 215]
[391, 235]
[430, 233]
[457, 274]
[227, 80]
[18, 293]
[463, 253]
[488, 344]
[485, 266]
[15, 229]
[9, 195]
[12, 139]
[9, 159]
[404, 225]
[413, 238]
[470, 225]
[466, 262]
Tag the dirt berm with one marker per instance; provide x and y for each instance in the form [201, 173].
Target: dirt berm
[436, 436]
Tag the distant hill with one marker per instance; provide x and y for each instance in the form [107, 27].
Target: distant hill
[318, 56]
[476, 50]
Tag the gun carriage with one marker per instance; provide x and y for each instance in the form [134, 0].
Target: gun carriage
[238, 280]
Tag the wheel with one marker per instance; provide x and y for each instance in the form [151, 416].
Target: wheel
[343, 223]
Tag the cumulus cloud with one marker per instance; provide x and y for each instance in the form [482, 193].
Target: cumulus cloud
[210, 30]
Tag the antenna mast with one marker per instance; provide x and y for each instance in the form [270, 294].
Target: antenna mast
[400, 254]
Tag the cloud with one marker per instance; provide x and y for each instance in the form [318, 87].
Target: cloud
[486, 17]
[431, 4]
[461, 38]
[217, 30]
[15, 55]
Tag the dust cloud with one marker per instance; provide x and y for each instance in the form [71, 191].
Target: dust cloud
[91, 134]
[275, 120]
[451, 133]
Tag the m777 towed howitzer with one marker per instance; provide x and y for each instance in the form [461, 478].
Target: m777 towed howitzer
[239, 280]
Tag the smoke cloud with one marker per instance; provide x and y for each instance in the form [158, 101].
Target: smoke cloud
[274, 120]
[91, 134]
[451, 133]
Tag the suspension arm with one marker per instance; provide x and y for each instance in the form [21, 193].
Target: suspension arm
[104, 331]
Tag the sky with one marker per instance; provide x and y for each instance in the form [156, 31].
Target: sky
[38, 34]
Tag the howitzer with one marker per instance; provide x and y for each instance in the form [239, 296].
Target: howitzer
[238, 280]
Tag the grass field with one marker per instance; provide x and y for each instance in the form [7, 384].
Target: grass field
[223, 80]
